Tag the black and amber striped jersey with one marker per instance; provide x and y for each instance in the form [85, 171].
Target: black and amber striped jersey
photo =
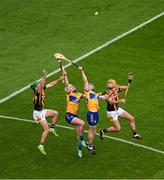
[38, 99]
[113, 107]
[113, 95]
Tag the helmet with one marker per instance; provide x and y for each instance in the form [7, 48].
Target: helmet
[91, 86]
[111, 81]
[71, 87]
[34, 85]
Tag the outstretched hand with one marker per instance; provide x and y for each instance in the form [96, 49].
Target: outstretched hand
[81, 68]
[59, 56]
[45, 72]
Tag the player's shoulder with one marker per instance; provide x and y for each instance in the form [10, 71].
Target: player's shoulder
[86, 90]
[79, 94]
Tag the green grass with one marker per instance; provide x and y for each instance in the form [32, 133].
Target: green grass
[32, 31]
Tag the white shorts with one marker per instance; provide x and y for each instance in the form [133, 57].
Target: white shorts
[39, 115]
[115, 114]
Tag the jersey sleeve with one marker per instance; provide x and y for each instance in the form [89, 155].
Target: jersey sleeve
[86, 93]
[80, 95]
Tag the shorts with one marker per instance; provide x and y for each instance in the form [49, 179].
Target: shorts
[115, 114]
[39, 115]
[92, 118]
[69, 117]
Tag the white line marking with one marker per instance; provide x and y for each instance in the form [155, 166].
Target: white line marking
[87, 54]
[109, 137]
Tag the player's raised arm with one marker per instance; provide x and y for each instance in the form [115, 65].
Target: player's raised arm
[85, 80]
[43, 81]
[54, 83]
[103, 96]
[123, 88]
[66, 82]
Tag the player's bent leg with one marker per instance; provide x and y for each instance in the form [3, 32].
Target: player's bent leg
[78, 125]
[131, 121]
[129, 118]
[54, 115]
[113, 117]
[91, 134]
[45, 127]
[115, 128]
[92, 118]
[44, 135]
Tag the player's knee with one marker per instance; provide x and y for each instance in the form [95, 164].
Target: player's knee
[132, 119]
[118, 128]
[46, 130]
[55, 113]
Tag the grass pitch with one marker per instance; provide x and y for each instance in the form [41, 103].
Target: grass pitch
[30, 32]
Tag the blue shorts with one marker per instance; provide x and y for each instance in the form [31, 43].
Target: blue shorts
[69, 117]
[92, 118]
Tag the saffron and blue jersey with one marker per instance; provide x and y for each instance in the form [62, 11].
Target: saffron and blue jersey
[92, 101]
[73, 100]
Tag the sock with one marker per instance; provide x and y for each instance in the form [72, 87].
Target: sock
[52, 125]
[79, 146]
[105, 130]
[81, 138]
[134, 132]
